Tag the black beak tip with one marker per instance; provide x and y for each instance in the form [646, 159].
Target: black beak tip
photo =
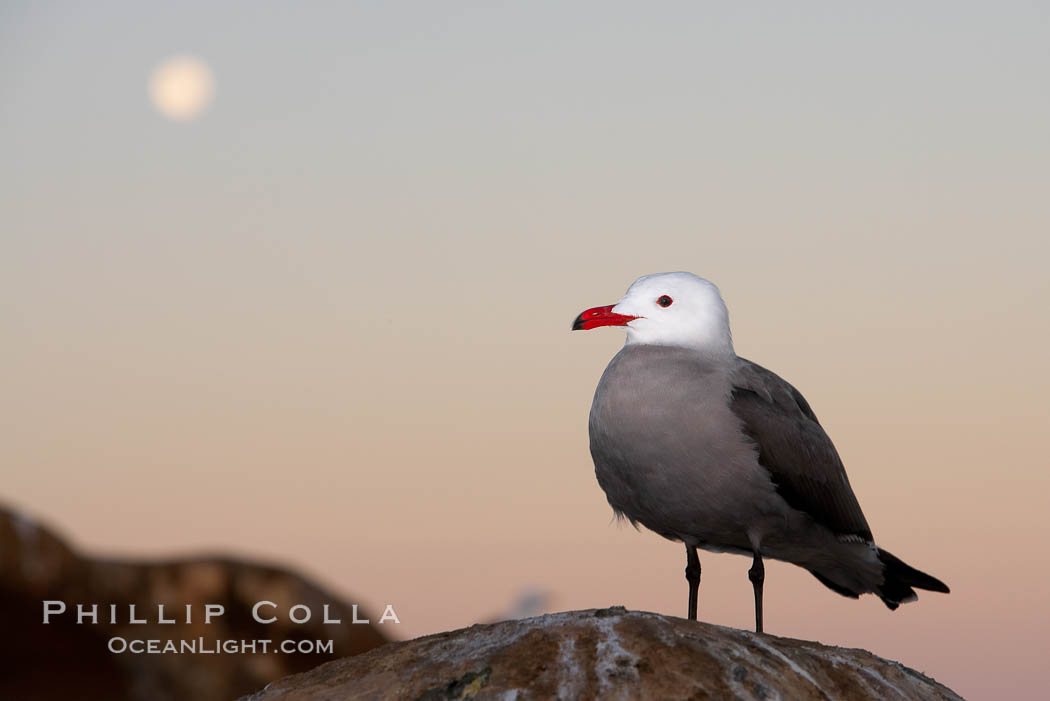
[577, 325]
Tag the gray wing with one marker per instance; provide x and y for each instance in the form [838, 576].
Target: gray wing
[801, 459]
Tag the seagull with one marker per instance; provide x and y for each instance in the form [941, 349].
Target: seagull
[704, 447]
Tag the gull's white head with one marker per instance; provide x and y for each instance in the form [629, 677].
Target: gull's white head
[667, 309]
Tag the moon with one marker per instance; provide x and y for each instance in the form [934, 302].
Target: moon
[181, 87]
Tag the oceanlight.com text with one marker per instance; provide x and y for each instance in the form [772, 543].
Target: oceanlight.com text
[201, 646]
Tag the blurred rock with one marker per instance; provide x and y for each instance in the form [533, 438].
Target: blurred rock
[606, 654]
[64, 660]
[528, 603]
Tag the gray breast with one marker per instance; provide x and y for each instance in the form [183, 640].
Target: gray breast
[669, 452]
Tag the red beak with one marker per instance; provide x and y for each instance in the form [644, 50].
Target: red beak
[600, 316]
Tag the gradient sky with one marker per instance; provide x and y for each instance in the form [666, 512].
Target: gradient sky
[327, 323]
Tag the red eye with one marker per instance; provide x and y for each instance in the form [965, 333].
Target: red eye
[664, 301]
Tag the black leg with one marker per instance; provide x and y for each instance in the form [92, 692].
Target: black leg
[757, 575]
[692, 575]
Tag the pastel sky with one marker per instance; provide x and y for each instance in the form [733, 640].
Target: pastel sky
[327, 322]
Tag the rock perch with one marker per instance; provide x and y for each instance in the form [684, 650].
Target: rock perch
[606, 654]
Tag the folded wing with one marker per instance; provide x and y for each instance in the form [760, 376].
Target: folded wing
[792, 445]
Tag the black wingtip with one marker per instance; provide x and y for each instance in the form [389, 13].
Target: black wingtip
[899, 578]
[577, 325]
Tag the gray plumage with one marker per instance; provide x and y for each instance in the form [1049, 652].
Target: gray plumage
[705, 447]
